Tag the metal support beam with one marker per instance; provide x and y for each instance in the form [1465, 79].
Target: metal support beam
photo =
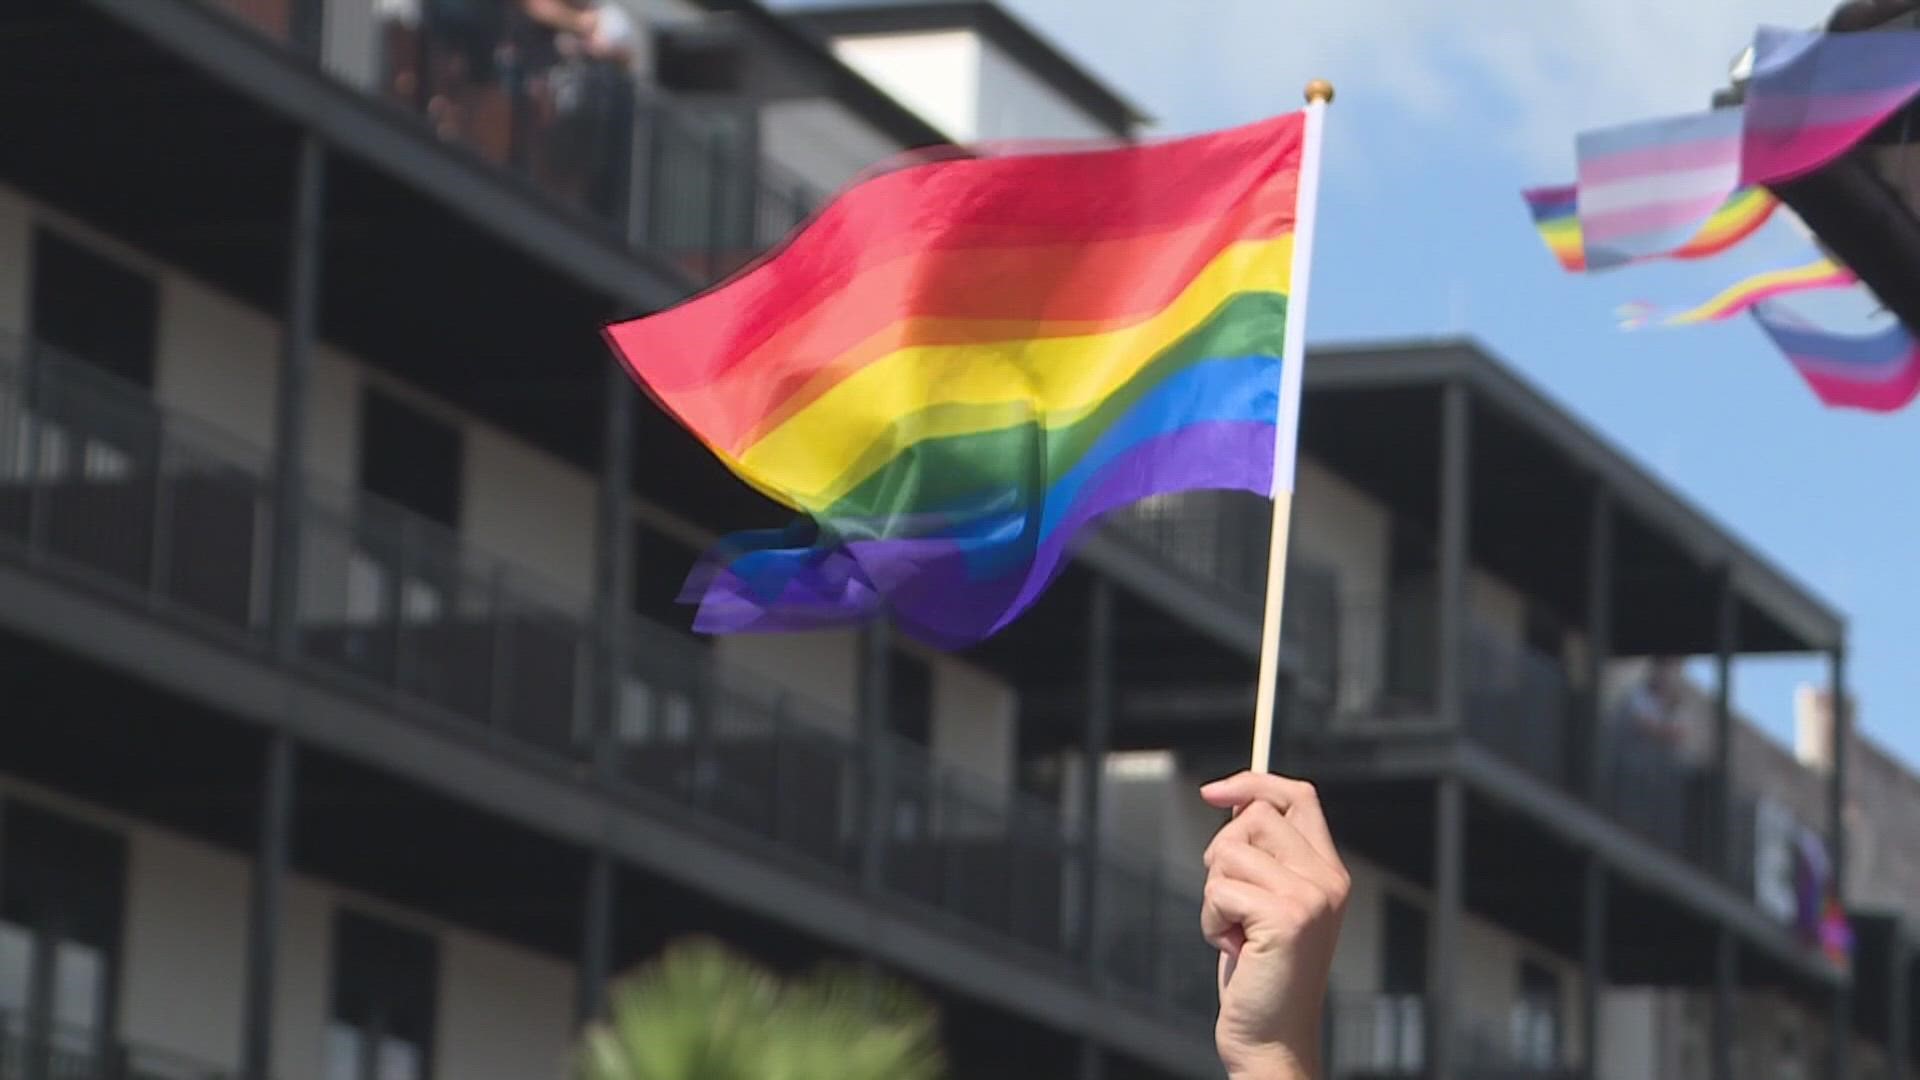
[1726, 645]
[274, 848]
[596, 939]
[1841, 736]
[1093, 758]
[1455, 515]
[273, 853]
[1443, 936]
[1093, 1065]
[1840, 1042]
[1593, 963]
[1899, 1003]
[876, 663]
[1726, 978]
[613, 560]
[290, 403]
[1592, 768]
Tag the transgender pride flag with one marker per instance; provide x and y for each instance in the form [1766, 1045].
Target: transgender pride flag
[1648, 189]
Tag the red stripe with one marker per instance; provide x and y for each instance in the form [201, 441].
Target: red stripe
[923, 224]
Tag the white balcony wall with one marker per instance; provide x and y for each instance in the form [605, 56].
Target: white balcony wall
[934, 73]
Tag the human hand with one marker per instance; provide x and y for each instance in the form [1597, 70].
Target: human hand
[1276, 893]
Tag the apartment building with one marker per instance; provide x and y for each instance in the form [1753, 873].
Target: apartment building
[353, 730]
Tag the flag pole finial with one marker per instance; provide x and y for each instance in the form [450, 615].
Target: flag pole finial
[1320, 90]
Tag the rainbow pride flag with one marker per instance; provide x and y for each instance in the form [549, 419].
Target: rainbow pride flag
[961, 364]
[1876, 373]
[1556, 214]
[1821, 273]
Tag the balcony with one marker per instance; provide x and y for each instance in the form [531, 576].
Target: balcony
[650, 135]
[1367, 670]
[102, 490]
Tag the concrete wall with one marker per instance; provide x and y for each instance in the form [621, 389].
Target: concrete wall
[1338, 527]
[936, 74]
[184, 962]
[1017, 104]
[820, 143]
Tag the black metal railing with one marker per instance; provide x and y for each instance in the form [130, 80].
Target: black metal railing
[55, 1052]
[100, 487]
[1382, 1036]
[567, 114]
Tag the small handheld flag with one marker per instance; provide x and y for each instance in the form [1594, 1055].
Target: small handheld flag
[961, 364]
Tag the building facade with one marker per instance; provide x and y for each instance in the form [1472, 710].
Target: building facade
[354, 731]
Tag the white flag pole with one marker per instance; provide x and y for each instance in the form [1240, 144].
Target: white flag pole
[1293, 357]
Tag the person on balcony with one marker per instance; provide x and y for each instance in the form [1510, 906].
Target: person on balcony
[1275, 897]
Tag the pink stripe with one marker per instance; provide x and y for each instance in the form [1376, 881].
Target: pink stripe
[1772, 157]
[1653, 160]
[1651, 217]
[1888, 396]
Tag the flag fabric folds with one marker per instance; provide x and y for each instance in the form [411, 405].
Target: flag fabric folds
[1877, 372]
[960, 364]
[1813, 96]
[1646, 189]
[1820, 273]
[1556, 215]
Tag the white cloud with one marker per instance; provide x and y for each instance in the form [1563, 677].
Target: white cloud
[1521, 75]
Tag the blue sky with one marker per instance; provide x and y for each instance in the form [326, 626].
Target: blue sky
[1445, 110]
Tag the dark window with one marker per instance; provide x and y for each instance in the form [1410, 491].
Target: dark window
[87, 307]
[1401, 1021]
[1536, 1017]
[384, 981]
[409, 458]
[910, 699]
[62, 886]
[1404, 960]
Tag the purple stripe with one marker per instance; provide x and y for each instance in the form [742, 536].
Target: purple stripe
[925, 584]
[1785, 115]
[1632, 164]
[1806, 63]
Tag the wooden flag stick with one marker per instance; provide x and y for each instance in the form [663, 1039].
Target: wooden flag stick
[1287, 432]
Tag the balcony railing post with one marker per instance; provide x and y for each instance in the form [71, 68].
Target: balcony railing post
[596, 936]
[640, 170]
[1899, 962]
[777, 782]
[1840, 1042]
[1726, 644]
[1599, 641]
[612, 563]
[160, 548]
[876, 661]
[290, 404]
[34, 393]
[1593, 964]
[271, 861]
[1099, 726]
[716, 204]
[500, 675]
[1726, 975]
[1443, 937]
[1455, 515]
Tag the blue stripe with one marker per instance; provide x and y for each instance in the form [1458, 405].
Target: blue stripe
[1890, 347]
[1666, 131]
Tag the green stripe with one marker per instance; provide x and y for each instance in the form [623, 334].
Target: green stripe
[937, 473]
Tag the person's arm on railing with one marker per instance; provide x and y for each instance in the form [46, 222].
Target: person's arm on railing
[1276, 893]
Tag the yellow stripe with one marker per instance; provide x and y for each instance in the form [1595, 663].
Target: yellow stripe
[1057, 378]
